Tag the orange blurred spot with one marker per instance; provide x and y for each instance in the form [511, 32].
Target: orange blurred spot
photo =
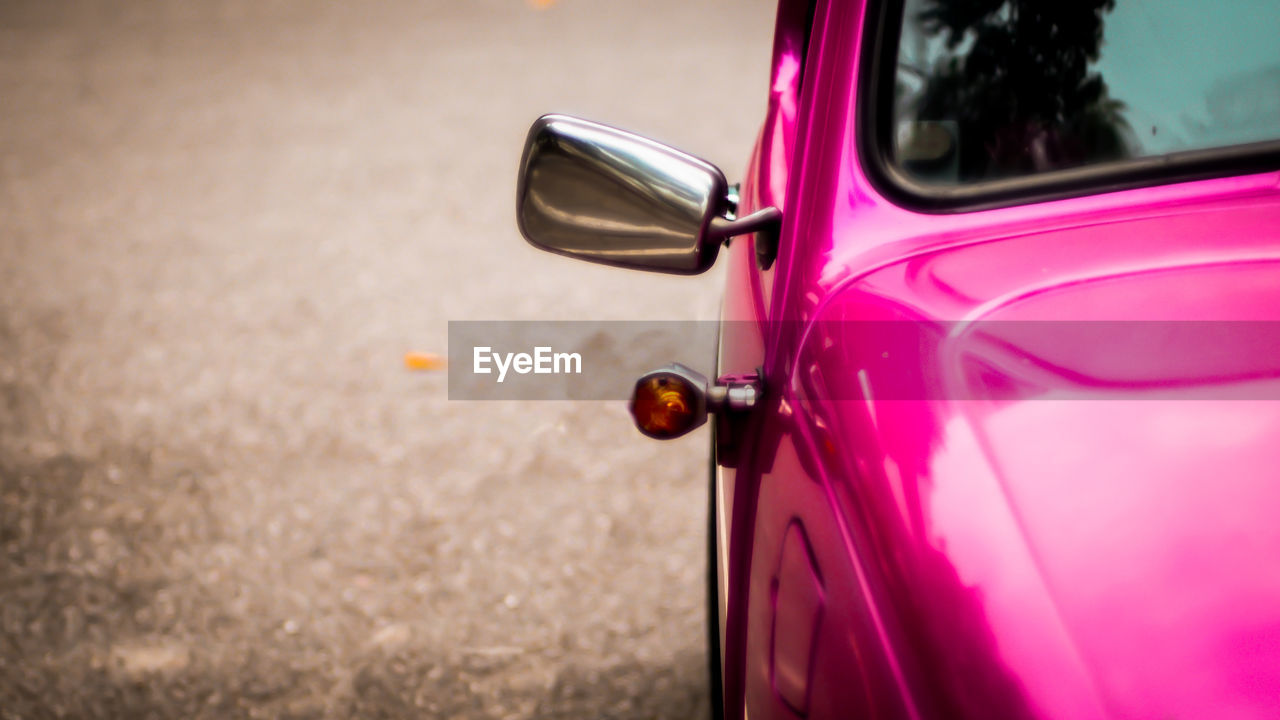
[542, 4]
[424, 361]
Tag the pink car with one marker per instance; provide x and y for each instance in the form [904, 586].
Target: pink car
[996, 404]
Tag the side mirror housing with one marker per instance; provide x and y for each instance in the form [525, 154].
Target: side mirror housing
[603, 195]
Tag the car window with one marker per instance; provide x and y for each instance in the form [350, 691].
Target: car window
[998, 89]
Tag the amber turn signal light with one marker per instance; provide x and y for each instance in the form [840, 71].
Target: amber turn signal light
[670, 402]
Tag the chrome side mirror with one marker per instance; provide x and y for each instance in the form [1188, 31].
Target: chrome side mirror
[603, 195]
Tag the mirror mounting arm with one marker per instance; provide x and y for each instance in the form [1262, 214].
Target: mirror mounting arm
[766, 223]
[769, 218]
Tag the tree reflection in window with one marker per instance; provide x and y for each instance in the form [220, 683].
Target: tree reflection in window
[991, 89]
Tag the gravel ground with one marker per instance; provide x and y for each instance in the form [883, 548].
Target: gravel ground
[221, 225]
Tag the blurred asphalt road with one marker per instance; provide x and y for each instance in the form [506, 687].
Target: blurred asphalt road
[222, 224]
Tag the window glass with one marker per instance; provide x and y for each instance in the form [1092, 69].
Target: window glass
[990, 89]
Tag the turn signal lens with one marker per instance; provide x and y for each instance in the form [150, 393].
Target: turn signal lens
[665, 406]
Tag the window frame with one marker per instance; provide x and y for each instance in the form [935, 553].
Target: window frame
[874, 133]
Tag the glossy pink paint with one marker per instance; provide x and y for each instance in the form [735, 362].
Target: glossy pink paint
[978, 556]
